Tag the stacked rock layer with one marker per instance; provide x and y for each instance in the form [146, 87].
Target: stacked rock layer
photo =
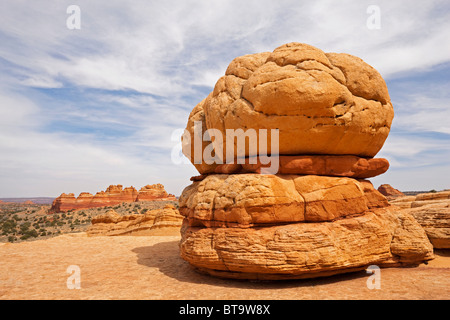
[318, 215]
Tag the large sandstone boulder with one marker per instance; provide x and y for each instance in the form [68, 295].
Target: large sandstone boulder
[305, 250]
[281, 227]
[318, 215]
[337, 101]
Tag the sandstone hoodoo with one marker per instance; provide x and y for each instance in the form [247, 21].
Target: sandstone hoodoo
[114, 194]
[318, 215]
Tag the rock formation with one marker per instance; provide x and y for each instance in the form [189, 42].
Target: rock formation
[318, 215]
[432, 211]
[390, 192]
[114, 195]
[166, 221]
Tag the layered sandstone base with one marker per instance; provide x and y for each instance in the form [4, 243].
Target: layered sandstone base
[252, 226]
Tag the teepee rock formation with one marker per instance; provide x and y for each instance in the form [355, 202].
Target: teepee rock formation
[318, 215]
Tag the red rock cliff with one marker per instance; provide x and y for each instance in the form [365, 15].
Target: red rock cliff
[114, 195]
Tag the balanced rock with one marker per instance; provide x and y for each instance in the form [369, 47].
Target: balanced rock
[317, 215]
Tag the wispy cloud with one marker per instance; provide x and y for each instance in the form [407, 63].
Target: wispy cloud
[85, 108]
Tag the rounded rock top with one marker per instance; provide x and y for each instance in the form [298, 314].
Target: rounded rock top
[321, 103]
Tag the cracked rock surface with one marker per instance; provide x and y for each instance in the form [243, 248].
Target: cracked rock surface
[322, 103]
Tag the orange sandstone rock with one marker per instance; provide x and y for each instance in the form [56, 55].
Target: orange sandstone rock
[166, 221]
[247, 200]
[337, 166]
[114, 195]
[154, 192]
[307, 250]
[388, 191]
[322, 103]
[318, 216]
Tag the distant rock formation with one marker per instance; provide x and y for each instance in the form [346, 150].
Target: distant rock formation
[388, 191]
[114, 195]
[432, 212]
[166, 221]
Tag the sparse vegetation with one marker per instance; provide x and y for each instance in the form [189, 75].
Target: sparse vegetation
[19, 222]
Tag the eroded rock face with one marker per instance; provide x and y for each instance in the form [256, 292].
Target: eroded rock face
[336, 100]
[305, 250]
[389, 191]
[432, 212]
[435, 219]
[318, 215]
[166, 221]
[114, 195]
[247, 200]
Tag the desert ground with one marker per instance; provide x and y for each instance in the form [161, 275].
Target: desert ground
[149, 268]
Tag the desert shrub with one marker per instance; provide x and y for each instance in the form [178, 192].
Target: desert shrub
[24, 227]
[28, 234]
[433, 191]
[8, 226]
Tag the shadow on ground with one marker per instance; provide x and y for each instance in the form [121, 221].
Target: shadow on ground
[165, 256]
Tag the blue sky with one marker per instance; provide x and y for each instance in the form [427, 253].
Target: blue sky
[83, 109]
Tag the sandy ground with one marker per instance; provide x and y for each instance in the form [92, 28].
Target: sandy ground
[150, 268]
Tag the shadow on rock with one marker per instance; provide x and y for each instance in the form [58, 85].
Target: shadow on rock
[166, 257]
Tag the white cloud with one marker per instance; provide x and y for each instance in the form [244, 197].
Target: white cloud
[158, 47]
[159, 52]
[35, 163]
